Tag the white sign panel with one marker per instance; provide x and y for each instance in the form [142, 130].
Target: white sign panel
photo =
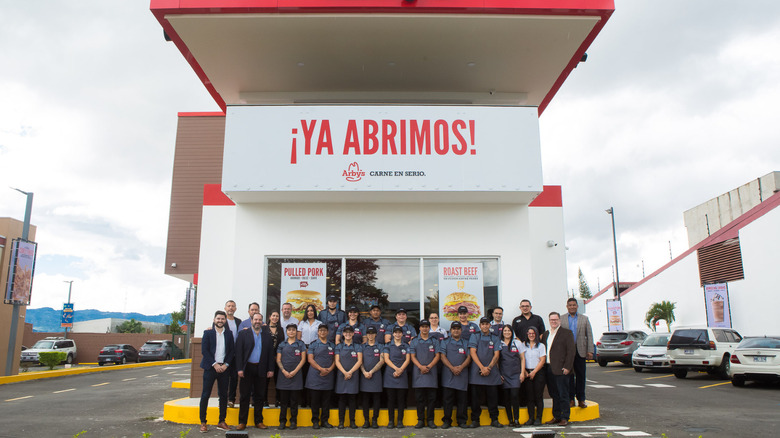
[460, 284]
[303, 284]
[381, 148]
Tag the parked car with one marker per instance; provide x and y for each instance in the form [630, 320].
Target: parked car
[118, 354]
[702, 349]
[618, 346]
[651, 353]
[67, 346]
[159, 350]
[756, 359]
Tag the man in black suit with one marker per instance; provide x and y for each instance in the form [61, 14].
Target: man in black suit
[232, 324]
[560, 361]
[217, 350]
[254, 360]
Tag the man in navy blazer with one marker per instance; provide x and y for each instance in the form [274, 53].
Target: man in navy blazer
[217, 348]
[254, 360]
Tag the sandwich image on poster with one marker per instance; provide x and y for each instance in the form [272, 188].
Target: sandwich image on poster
[460, 285]
[303, 284]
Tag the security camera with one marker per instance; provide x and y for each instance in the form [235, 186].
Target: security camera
[551, 244]
[173, 265]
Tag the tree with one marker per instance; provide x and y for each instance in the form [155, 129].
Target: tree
[658, 311]
[177, 319]
[131, 326]
[584, 288]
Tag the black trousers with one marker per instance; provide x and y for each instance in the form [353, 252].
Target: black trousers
[491, 394]
[534, 395]
[577, 379]
[396, 400]
[426, 399]
[252, 383]
[512, 403]
[288, 399]
[233, 383]
[371, 400]
[320, 405]
[209, 376]
[344, 401]
[458, 399]
[558, 387]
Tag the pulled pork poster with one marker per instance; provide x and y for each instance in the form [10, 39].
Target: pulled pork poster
[303, 284]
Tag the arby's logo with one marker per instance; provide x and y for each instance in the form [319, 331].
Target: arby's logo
[304, 283]
[353, 172]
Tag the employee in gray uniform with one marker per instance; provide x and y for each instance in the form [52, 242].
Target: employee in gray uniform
[396, 356]
[408, 331]
[484, 377]
[469, 328]
[290, 358]
[352, 321]
[455, 377]
[424, 351]
[371, 377]
[321, 379]
[512, 375]
[333, 317]
[375, 320]
[349, 356]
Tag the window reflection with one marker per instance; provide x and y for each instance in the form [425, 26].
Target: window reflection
[390, 283]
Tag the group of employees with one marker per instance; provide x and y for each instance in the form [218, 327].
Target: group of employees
[335, 352]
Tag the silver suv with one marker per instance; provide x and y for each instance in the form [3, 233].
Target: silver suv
[702, 349]
[67, 346]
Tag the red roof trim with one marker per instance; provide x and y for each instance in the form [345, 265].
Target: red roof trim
[600, 8]
[202, 114]
[213, 195]
[730, 231]
[550, 197]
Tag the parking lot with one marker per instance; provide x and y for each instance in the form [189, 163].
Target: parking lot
[129, 402]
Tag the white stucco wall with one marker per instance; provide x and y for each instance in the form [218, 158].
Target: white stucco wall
[759, 242]
[236, 240]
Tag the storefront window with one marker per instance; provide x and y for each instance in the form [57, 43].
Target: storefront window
[390, 283]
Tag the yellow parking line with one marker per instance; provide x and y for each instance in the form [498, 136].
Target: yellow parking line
[659, 377]
[716, 384]
[617, 371]
[19, 398]
[101, 384]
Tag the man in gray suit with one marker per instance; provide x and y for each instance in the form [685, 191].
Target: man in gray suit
[583, 335]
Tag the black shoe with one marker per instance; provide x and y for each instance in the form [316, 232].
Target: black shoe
[282, 426]
[495, 423]
[352, 425]
[464, 426]
[431, 425]
[327, 425]
[341, 425]
[390, 425]
[473, 425]
[315, 425]
[366, 424]
[419, 425]
[400, 425]
[375, 425]
[537, 422]
[445, 426]
[530, 422]
[293, 425]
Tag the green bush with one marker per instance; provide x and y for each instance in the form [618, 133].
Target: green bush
[51, 358]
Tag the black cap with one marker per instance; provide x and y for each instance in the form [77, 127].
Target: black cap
[348, 328]
[484, 319]
[401, 310]
[353, 309]
[370, 330]
[456, 324]
[333, 298]
[397, 329]
[291, 325]
[425, 322]
[376, 306]
[323, 326]
[463, 309]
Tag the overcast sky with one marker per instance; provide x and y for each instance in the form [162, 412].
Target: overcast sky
[676, 104]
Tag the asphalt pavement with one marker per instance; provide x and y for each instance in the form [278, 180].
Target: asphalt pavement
[129, 403]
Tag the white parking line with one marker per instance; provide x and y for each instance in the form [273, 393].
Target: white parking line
[101, 384]
[630, 386]
[172, 372]
[634, 433]
[19, 398]
[153, 375]
[64, 390]
[661, 385]
[129, 379]
[600, 386]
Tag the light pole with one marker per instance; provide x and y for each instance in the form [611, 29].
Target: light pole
[611, 212]
[9, 362]
[70, 287]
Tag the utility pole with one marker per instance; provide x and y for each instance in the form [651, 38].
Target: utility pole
[11, 356]
[611, 212]
[70, 288]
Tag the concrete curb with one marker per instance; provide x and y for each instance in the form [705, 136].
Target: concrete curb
[97, 369]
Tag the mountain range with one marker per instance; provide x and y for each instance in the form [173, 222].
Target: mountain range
[46, 319]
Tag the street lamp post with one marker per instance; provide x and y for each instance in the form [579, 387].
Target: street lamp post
[9, 362]
[70, 287]
[611, 212]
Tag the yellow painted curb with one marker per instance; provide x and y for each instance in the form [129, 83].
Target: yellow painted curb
[183, 384]
[97, 369]
[187, 411]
